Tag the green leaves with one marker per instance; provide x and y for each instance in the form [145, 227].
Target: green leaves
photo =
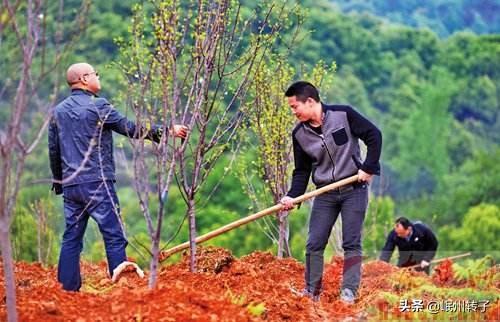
[479, 230]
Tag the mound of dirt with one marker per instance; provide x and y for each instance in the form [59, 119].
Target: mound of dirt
[256, 287]
[209, 259]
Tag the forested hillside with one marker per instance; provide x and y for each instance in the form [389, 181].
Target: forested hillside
[436, 100]
[443, 17]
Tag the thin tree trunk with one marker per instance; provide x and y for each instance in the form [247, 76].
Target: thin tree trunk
[39, 239]
[153, 267]
[283, 245]
[192, 235]
[156, 238]
[48, 251]
[280, 235]
[8, 268]
[41, 230]
[286, 246]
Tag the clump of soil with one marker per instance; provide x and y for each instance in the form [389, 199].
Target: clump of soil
[209, 259]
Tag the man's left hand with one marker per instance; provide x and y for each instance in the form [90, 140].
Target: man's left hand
[57, 188]
[364, 177]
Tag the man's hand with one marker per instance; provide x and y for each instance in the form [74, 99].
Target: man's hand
[287, 203]
[424, 264]
[180, 131]
[57, 188]
[364, 177]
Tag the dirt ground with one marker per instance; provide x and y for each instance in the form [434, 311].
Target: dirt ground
[256, 287]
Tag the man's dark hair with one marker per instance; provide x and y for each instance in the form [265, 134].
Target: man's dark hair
[405, 222]
[302, 91]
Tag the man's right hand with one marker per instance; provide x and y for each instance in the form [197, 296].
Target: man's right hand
[424, 264]
[180, 131]
[287, 203]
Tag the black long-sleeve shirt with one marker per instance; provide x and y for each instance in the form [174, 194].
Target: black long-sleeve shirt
[334, 153]
[421, 245]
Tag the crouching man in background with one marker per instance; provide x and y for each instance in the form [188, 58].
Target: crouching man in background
[416, 244]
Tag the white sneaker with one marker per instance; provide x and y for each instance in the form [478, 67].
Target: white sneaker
[347, 296]
[306, 293]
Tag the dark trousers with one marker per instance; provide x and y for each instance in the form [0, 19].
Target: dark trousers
[351, 202]
[99, 201]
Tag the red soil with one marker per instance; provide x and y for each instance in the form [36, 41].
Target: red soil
[224, 289]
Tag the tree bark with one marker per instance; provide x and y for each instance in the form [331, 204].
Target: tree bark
[8, 268]
[153, 267]
[192, 235]
[283, 244]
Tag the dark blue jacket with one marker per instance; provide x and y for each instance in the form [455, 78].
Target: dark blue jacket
[422, 245]
[81, 129]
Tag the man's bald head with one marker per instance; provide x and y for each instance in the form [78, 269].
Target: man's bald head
[83, 75]
[76, 71]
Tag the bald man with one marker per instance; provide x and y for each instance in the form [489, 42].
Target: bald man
[81, 160]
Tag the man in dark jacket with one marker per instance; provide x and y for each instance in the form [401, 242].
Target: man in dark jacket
[82, 164]
[326, 145]
[416, 244]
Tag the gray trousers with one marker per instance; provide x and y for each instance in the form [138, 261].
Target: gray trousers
[351, 202]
